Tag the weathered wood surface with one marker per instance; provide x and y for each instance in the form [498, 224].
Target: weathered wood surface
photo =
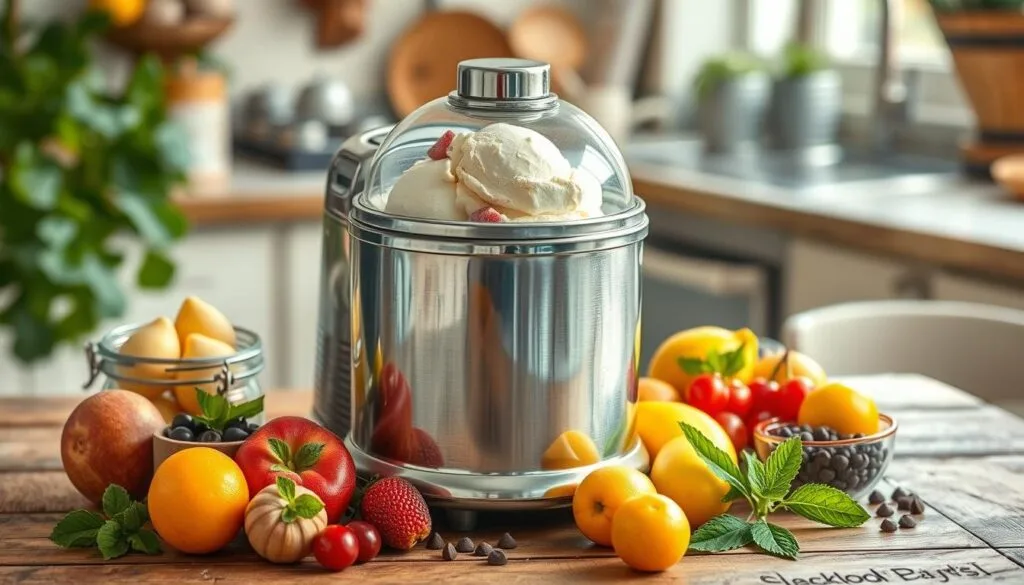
[966, 460]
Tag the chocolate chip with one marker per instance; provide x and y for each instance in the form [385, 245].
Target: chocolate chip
[907, 521]
[449, 552]
[497, 558]
[465, 545]
[884, 511]
[904, 503]
[876, 497]
[888, 525]
[435, 542]
[917, 506]
[898, 493]
[482, 550]
[506, 542]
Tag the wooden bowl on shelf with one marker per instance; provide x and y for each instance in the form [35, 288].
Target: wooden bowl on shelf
[1008, 171]
[169, 41]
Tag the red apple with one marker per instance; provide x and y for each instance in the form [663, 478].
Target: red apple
[109, 439]
[305, 452]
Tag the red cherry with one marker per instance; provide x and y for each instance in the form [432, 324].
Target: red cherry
[753, 420]
[336, 548]
[709, 393]
[735, 428]
[791, 397]
[368, 538]
[762, 395]
[740, 398]
[439, 151]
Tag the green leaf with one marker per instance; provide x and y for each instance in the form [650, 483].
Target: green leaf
[144, 218]
[115, 500]
[132, 518]
[215, 408]
[281, 451]
[774, 539]
[755, 474]
[286, 488]
[714, 361]
[56, 231]
[145, 541]
[77, 529]
[734, 361]
[732, 494]
[35, 179]
[827, 505]
[692, 366]
[288, 515]
[308, 506]
[156, 271]
[103, 282]
[247, 409]
[718, 461]
[781, 468]
[172, 140]
[307, 457]
[111, 541]
[721, 533]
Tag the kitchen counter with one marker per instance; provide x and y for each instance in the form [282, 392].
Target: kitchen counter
[258, 193]
[963, 457]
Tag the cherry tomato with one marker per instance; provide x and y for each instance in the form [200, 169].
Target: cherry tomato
[336, 548]
[740, 398]
[735, 428]
[368, 537]
[762, 395]
[791, 395]
[709, 393]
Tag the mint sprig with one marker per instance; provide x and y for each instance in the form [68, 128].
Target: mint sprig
[115, 532]
[217, 412]
[305, 506]
[727, 364]
[766, 487]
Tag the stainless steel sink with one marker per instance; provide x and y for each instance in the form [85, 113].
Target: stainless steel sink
[826, 167]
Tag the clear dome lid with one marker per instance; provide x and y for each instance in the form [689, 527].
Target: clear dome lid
[512, 170]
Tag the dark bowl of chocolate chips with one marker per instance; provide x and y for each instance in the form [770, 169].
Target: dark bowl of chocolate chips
[851, 463]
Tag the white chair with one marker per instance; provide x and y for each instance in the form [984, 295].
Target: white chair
[977, 348]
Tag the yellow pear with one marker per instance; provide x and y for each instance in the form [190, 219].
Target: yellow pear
[198, 346]
[198, 316]
[157, 340]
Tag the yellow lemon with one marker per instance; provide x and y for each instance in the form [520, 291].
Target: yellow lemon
[840, 407]
[199, 346]
[121, 12]
[156, 340]
[696, 343]
[797, 365]
[679, 473]
[198, 316]
[658, 423]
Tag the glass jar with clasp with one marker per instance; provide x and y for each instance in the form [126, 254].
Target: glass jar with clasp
[171, 383]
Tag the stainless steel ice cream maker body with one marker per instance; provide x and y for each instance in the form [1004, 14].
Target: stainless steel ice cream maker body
[492, 364]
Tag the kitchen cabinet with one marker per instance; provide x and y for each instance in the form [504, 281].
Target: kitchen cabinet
[300, 303]
[817, 275]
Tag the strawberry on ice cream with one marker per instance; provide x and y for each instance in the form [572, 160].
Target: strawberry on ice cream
[500, 173]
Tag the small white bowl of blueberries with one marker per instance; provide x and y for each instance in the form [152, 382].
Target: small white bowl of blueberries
[222, 426]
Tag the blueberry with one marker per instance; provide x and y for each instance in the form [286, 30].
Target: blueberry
[181, 434]
[821, 434]
[182, 420]
[806, 436]
[209, 436]
[238, 423]
[167, 432]
[826, 475]
[253, 427]
[232, 434]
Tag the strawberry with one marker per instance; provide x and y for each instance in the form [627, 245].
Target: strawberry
[426, 453]
[440, 149]
[486, 215]
[398, 511]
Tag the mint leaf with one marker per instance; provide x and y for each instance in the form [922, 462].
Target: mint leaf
[111, 541]
[145, 541]
[281, 451]
[132, 518]
[732, 494]
[717, 460]
[77, 529]
[714, 360]
[246, 409]
[115, 500]
[827, 505]
[308, 506]
[774, 539]
[286, 488]
[214, 408]
[755, 474]
[733, 361]
[288, 515]
[692, 366]
[781, 468]
[721, 533]
[307, 456]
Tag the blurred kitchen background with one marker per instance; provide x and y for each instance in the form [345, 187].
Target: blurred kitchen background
[793, 154]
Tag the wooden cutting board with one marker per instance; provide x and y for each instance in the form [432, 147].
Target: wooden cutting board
[424, 60]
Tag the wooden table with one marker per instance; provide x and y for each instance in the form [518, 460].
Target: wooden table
[965, 459]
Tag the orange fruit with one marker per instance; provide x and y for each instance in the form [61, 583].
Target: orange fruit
[652, 389]
[570, 449]
[650, 532]
[155, 340]
[122, 12]
[799, 364]
[199, 346]
[657, 423]
[198, 316]
[680, 474]
[696, 343]
[197, 500]
[599, 496]
[840, 407]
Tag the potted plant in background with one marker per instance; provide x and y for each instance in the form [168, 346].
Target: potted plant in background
[83, 168]
[732, 95]
[806, 101]
[986, 38]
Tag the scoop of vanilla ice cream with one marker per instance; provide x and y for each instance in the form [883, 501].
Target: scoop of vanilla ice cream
[518, 171]
[426, 190]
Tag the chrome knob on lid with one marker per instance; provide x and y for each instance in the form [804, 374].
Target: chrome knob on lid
[503, 83]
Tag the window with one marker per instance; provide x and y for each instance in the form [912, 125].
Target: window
[852, 30]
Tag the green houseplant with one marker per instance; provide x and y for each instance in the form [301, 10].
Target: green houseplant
[806, 100]
[732, 94]
[82, 169]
